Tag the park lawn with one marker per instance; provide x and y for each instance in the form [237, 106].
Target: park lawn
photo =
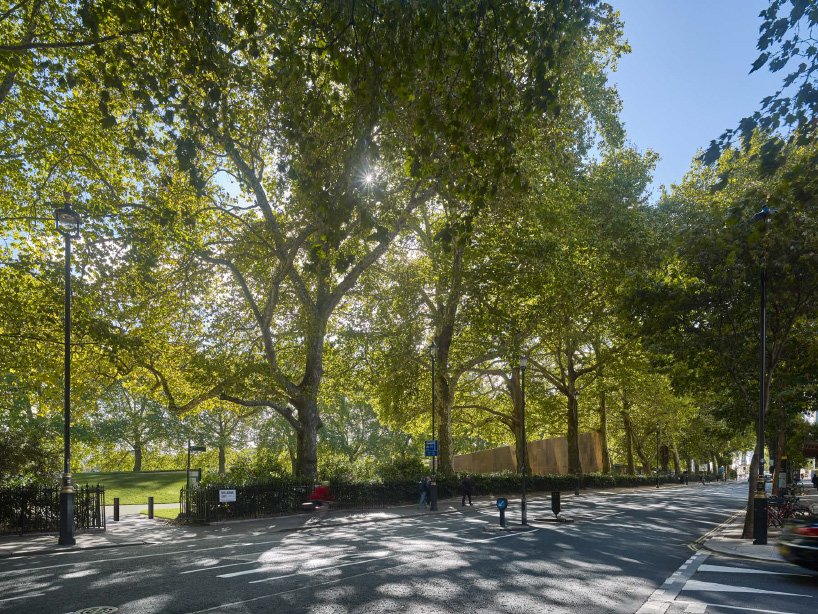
[134, 488]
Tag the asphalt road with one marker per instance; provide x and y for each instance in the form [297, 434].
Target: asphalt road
[622, 547]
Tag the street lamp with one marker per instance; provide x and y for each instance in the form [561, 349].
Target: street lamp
[190, 448]
[760, 498]
[68, 225]
[433, 485]
[523, 365]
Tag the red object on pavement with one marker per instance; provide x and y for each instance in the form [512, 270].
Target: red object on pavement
[321, 493]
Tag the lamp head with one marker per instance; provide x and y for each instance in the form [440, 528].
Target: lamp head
[433, 350]
[68, 221]
[523, 362]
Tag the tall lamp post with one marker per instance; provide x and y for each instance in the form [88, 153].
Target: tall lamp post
[523, 365]
[760, 498]
[68, 225]
[433, 485]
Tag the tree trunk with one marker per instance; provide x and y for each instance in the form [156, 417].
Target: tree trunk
[222, 451]
[647, 467]
[603, 426]
[574, 463]
[515, 391]
[626, 421]
[307, 438]
[444, 397]
[137, 457]
[677, 462]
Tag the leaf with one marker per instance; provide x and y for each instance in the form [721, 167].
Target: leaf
[760, 61]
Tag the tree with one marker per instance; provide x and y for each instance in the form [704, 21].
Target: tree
[786, 39]
[704, 301]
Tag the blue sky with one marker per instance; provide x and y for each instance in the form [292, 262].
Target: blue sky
[686, 79]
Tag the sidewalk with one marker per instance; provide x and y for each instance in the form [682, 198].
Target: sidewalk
[726, 538]
[134, 529]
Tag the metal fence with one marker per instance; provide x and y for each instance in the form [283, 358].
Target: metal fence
[280, 497]
[36, 509]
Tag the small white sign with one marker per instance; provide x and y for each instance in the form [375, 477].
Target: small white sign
[227, 496]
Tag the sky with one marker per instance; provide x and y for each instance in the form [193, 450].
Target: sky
[687, 77]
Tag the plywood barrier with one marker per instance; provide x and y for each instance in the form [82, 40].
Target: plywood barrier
[547, 456]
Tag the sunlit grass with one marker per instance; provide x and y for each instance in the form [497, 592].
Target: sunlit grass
[134, 488]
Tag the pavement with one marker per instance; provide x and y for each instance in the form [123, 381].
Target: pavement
[135, 529]
[726, 538]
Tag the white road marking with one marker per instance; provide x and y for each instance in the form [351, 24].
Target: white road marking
[216, 567]
[735, 607]
[724, 569]
[661, 598]
[23, 596]
[697, 585]
[308, 572]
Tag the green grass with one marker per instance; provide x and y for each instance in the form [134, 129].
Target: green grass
[135, 488]
[169, 514]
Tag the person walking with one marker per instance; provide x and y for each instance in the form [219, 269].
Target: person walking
[468, 487]
[815, 480]
[425, 487]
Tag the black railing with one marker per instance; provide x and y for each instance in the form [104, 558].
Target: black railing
[284, 496]
[36, 509]
[281, 497]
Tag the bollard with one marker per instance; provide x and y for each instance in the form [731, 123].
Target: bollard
[502, 504]
[116, 509]
[150, 507]
[555, 502]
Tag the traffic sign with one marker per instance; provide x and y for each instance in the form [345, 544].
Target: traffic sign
[431, 447]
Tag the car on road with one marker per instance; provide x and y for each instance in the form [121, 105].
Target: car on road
[798, 542]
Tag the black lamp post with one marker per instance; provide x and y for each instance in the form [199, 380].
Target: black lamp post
[68, 225]
[760, 498]
[433, 485]
[190, 448]
[523, 365]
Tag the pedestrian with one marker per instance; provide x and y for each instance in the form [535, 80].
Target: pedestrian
[815, 480]
[701, 479]
[468, 487]
[424, 486]
[687, 474]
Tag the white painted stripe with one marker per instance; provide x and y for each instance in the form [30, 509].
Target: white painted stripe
[724, 569]
[696, 608]
[23, 596]
[216, 567]
[697, 585]
[721, 606]
[308, 572]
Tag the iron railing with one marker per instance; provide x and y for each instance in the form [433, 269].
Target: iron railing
[36, 509]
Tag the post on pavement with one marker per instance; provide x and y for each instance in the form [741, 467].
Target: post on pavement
[68, 225]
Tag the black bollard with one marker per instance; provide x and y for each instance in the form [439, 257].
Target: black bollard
[555, 502]
[150, 507]
[116, 509]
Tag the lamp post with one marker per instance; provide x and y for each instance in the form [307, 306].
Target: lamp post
[68, 225]
[760, 498]
[523, 365]
[190, 448]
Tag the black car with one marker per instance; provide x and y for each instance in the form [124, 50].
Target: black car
[798, 542]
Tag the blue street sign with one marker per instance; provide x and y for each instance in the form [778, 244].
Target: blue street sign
[431, 447]
[502, 503]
